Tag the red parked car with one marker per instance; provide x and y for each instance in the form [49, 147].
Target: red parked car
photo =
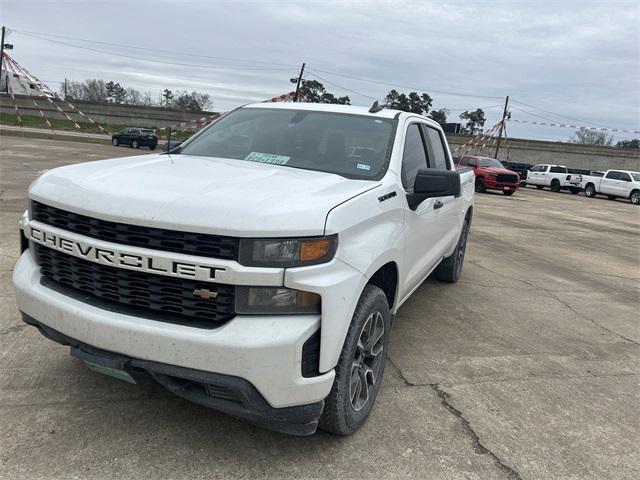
[490, 174]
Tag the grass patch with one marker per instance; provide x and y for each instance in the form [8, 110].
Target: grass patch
[86, 127]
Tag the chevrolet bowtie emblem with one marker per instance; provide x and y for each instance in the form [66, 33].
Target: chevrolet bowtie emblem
[205, 294]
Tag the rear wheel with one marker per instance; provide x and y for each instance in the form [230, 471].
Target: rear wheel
[574, 190]
[135, 144]
[590, 191]
[611, 197]
[152, 146]
[450, 268]
[539, 187]
[115, 142]
[555, 185]
[480, 187]
[635, 197]
[361, 365]
[508, 193]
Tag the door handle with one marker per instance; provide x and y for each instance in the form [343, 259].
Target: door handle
[438, 204]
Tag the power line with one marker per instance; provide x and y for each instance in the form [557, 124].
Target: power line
[152, 60]
[554, 113]
[376, 82]
[340, 86]
[132, 47]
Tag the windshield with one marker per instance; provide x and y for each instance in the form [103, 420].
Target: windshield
[354, 146]
[489, 162]
[636, 176]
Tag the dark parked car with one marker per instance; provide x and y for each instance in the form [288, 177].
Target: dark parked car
[135, 138]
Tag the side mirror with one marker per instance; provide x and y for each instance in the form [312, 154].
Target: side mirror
[433, 183]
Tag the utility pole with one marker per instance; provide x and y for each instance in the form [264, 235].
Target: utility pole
[295, 97]
[504, 116]
[65, 88]
[1, 59]
[8, 46]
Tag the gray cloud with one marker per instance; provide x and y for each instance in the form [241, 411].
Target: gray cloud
[579, 59]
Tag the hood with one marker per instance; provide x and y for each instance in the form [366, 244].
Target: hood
[497, 170]
[199, 194]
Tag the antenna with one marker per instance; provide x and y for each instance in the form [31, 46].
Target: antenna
[375, 108]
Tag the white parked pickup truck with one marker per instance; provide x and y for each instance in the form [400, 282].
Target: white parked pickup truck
[257, 267]
[556, 177]
[614, 184]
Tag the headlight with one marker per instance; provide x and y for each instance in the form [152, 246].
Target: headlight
[274, 300]
[287, 252]
[493, 174]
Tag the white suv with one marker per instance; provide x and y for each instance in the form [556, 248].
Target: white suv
[255, 269]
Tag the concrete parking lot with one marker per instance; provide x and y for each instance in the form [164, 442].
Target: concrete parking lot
[527, 368]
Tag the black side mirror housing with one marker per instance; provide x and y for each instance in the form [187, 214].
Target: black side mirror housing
[431, 183]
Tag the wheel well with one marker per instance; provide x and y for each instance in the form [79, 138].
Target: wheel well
[555, 180]
[386, 278]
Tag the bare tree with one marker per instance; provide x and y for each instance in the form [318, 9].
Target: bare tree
[147, 99]
[134, 97]
[586, 136]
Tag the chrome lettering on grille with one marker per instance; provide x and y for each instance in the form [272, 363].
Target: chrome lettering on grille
[130, 261]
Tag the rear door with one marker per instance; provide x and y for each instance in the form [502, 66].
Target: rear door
[625, 184]
[609, 185]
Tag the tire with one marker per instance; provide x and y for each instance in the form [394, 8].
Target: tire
[134, 144]
[450, 268]
[635, 197]
[115, 142]
[480, 187]
[611, 197]
[152, 146]
[343, 412]
[555, 185]
[574, 190]
[539, 187]
[523, 184]
[590, 191]
[508, 193]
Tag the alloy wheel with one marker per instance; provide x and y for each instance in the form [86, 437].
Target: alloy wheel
[367, 361]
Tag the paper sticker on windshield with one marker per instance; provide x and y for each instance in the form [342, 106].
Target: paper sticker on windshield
[363, 166]
[267, 158]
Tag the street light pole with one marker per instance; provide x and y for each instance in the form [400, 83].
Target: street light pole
[2, 59]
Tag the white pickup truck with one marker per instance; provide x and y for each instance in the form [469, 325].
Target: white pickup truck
[257, 267]
[614, 184]
[556, 177]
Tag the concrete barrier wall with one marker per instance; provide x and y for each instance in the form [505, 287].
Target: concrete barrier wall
[128, 115]
[570, 154]
[524, 151]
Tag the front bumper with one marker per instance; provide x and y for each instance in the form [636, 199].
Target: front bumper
[490, 183]
[225, 393]
[266, 351]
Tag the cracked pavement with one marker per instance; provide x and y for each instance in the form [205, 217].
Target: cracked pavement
[525, 369]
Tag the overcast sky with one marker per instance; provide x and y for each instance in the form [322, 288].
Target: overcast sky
[569, 61]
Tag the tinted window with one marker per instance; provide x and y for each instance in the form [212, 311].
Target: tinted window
[539, 168]
[624, 176]
[612, 175]
[437, 155]
[354, 146]
[558, 169]
[414, 157]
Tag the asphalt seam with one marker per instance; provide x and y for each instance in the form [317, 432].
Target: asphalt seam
[477, 446]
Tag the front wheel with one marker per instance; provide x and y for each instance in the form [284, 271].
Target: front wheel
[635, 197]
[153, 146]
[590, 191]
[134, 144]
[115, 142]
[480, 186]
[450, 268]
[361, 365]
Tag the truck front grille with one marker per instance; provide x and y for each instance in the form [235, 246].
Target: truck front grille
[141, 293]
[507, 178]
[204, 245]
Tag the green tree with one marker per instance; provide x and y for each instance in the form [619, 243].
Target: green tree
[475, 121]
[314, 91]
[439, 116]
[167, 95]
[413, 102]
[635, 143]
